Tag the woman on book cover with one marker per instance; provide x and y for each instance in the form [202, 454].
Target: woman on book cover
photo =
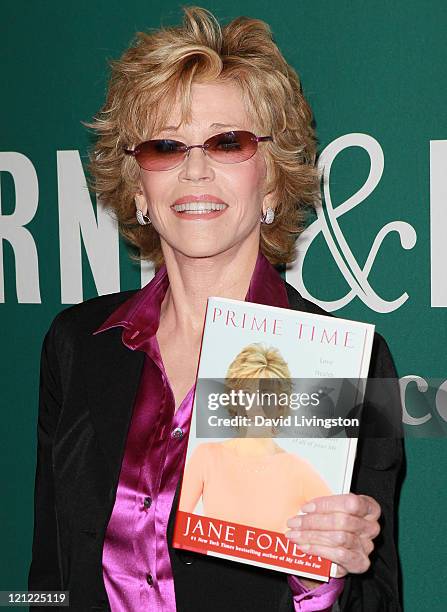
[252, 481]
[205, 150]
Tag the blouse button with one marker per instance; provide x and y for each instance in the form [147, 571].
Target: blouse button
[147, 502]
[177, 433]
[149, 579]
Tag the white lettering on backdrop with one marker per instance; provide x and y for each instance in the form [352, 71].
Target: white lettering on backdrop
[100, 237]
[438, 222]
[440, 403]
[12, 228]
[326, 222]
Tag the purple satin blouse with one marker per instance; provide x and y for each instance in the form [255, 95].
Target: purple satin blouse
[136, 564]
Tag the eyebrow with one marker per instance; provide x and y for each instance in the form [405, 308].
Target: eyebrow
[174, 128]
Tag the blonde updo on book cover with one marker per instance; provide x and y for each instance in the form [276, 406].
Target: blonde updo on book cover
[260, 368]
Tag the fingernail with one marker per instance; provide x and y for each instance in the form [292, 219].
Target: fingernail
[296, 521]
[304, 547]
[308, 507]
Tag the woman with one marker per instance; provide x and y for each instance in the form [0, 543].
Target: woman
[233, 476]
[206, 153]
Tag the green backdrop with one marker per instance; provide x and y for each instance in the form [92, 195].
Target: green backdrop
[374, 73]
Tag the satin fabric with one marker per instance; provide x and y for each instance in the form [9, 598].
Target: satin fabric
[136, 565]
[321, 598]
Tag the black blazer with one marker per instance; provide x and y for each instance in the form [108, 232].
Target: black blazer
[88, 386]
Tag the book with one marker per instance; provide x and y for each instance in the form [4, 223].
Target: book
[266, 433]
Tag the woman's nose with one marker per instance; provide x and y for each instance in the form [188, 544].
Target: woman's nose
[197, 165]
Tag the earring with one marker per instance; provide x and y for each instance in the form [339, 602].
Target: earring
[268, 216]
[142, 218]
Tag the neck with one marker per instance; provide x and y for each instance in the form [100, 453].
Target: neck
[193, 280]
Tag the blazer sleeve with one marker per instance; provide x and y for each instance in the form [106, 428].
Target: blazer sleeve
[44, 572]
[377, 473]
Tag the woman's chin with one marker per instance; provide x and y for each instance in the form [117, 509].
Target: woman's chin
[194, 250]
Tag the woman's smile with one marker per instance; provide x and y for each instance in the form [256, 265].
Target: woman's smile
[201, 207]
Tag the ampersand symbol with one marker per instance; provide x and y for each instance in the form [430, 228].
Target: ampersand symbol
[327, 222]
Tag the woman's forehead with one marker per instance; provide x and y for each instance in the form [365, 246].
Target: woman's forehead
[212, 106]
[174, 129]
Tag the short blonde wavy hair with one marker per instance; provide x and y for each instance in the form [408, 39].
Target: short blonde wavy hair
[162, 65]
[255, 364]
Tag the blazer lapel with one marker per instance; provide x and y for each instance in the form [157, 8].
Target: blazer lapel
[112, 385]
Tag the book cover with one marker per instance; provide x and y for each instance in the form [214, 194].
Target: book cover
[276, 392]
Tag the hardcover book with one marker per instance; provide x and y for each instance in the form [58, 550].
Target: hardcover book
[277, 399]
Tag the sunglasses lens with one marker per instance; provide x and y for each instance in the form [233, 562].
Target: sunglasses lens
[160, 154]
[226, 148]
[232, 147]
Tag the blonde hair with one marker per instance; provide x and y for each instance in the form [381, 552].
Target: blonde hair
[255, 363]
[161, 66]
[258, 361]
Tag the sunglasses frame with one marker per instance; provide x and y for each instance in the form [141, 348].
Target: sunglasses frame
[187, 148]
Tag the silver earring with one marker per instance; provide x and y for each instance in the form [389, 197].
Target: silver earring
[268, 216]
[142, 218]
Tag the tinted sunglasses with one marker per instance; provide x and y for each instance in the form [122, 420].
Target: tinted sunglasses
[226, 148]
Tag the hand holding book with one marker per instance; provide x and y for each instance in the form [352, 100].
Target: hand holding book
[340, 528]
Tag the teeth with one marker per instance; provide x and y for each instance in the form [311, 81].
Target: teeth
[198, 207]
